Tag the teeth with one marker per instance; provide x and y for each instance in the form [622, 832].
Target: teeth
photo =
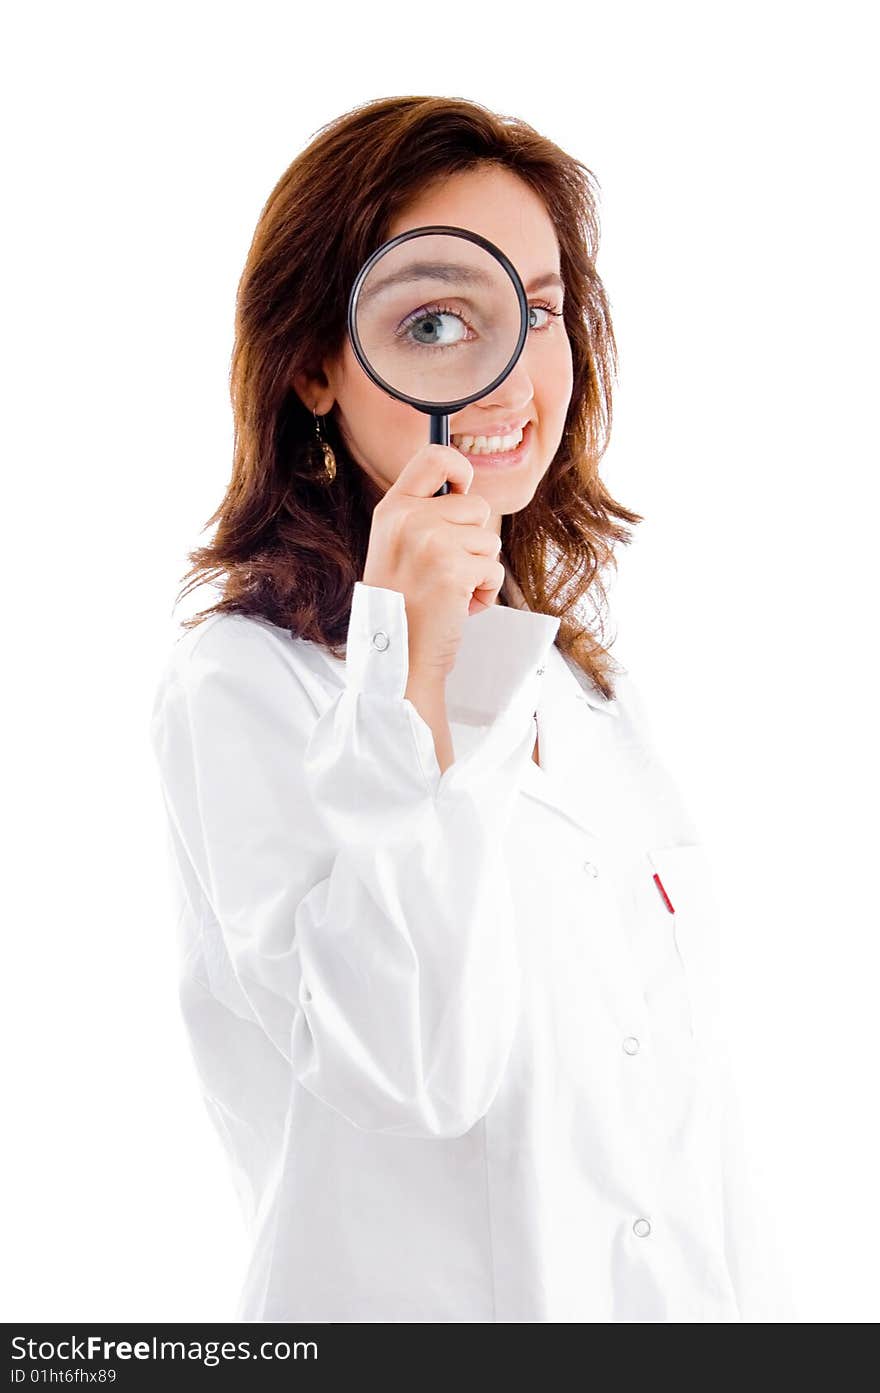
[487, 444]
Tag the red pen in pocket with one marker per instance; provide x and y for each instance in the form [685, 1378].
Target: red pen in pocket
[659, 883]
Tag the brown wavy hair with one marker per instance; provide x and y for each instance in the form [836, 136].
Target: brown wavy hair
[288, 547]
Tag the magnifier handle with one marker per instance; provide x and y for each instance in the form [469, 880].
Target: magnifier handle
[440, 436]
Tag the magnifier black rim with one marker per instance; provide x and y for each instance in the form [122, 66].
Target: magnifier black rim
[435, 408]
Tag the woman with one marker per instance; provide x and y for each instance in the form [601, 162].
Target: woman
[446, 935]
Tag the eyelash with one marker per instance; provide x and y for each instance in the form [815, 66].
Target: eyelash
[447, 309]
[541, 305]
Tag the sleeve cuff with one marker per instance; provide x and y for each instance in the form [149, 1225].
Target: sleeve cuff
[377, 651]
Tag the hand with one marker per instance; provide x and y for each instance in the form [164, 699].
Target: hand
[438, 552]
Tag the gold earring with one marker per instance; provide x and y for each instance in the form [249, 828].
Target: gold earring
[328, 457]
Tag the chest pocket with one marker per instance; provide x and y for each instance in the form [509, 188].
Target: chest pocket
[693, 921]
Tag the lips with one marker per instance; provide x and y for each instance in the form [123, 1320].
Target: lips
[502, 459]
[496, 428]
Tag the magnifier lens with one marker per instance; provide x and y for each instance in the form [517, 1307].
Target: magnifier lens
[438, 317]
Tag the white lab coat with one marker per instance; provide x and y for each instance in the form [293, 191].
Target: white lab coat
[463, 1055]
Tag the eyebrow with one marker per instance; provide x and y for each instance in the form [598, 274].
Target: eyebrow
[440, 271]
[549, 278]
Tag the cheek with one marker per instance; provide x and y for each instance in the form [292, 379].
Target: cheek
[382, 433]
[401, 430]
[388, 432]
[563, 367]
[556, 382]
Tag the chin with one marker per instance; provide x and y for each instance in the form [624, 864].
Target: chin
[505, 495]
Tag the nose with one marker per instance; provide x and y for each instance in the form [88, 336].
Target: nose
[513, 397]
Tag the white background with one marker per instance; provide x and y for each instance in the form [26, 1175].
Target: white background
[735, 147]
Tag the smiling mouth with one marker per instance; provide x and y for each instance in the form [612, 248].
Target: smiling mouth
[489, 442]
[502, 451]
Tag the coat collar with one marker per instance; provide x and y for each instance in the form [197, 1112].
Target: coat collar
[502, 648]
[501, 659]
[508, 658]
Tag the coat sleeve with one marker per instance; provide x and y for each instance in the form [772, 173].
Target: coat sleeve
[362, 896]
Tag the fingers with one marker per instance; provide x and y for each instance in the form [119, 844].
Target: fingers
[487, 586]
[431, 466]
[476, 538]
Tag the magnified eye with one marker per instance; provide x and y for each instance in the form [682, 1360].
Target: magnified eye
[433, 326]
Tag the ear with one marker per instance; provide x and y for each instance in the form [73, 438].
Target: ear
[313, 390]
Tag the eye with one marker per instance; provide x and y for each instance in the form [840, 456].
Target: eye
[441, 326]
[548, 309]
[433, 326]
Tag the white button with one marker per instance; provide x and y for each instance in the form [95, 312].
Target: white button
[641, 1228]
[631, 1044]
[590, 868]
[381, 640]
[307, 995]
[540, 672]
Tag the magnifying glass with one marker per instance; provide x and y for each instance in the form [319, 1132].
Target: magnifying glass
[438, 317]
